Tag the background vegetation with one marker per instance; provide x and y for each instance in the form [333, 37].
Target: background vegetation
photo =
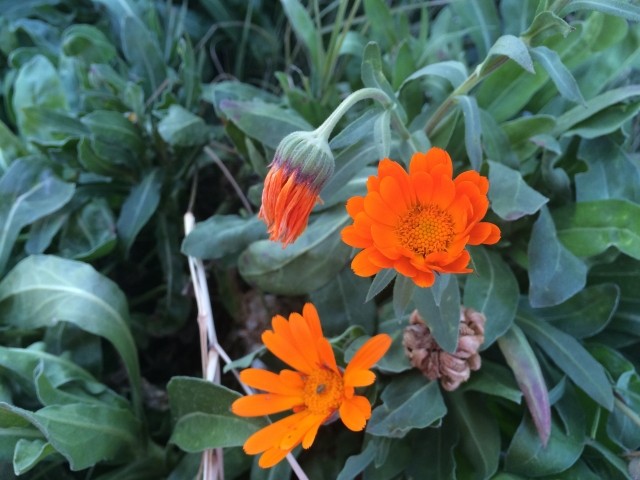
[118, 116]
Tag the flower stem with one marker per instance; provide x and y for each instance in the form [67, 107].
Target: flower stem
[332, 120]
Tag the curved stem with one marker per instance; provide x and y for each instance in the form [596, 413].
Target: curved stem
[332, 120]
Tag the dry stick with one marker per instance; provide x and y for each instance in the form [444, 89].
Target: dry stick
[227, 174]
[211, 352]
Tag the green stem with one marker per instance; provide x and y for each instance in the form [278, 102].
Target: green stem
[633, 416]
[479, 74]
[332, 120]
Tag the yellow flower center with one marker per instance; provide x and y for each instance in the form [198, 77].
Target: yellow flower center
[425, 229]
[323, 391]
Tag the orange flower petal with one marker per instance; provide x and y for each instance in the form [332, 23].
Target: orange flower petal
[362, 264]
[269, 381]
[423, 186]
[368, 354]
[388, 167]
[475, 178]
[271, 435]
[327, 357]
[285, 351]
[378, 210]
[264, 404]
[444, 191]
[355, 205]
[424, 279]
[296, 433]
[304, 340]
[360, 378]
[310, 313]
[272, 456]
[352, 237]
[355, 412]
[484, 232]
[392, 195]
[405, 267]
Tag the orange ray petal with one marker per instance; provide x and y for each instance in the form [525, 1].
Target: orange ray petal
[388, 167]
[272, 456]
[355, 412]
[378, 210]
[355, 205]
[352, 237]
[310, 313]
[327, 357]
[483, 231]
[424, 278]
[405, 267]
[444, 191]
[392, 195]
[362, 265]
[474, 177]
[268, 381]
[423, 186]
[368, 354]
[383, 236]
[303, 338]
[264, 404]
[439, 161]
[360, 378]
[271, 435]
[296, 433]
[286, 352]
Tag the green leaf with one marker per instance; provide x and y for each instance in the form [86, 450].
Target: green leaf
[493, 290]
[512, 47]
[525, 367]
[113, 433]
[356, 464]
[621, 425]
[450, 70]
[181, 128]
[585, 314]
[409, 401]
[202, 412]
[605, 121]
[521, 129]
[441, 444]
[558, 72]
[139, 207]
[43, 290]
[37, 85]
[555, 273]
[442, 317]
[580, 113]
[89, 233]
[472, 129]
[511, 197]
[618, 8]
[382, 279]
[479, 434]
[545, 24]
[265, 122]
[530, 457]
[114, 137]
[589, 228]
[571, 358]
[28, 453]
[222, 235]
[482, 17]
[28, 192]
[143, 53]
[306, 265]
[305, 30]
[496, 380]
[373, 75]
[89, 43]
[403, 289]
[395, 360]
[612, 172]
[52, 128]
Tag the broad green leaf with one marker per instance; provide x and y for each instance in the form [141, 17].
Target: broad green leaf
[382, 134]
[355, 157]
[472, 129]
[265, 122]
[28, 192]
[510, 195]
[114, 137]
[373, 76]
[512, 47]
[409, 401]
[622, 426]
[517, 15]
[583, 315]
[92, 162]
[306, 265]
[395, 360]
[589, 228]
[495, 142]
[52, 128]
[340, 304]
[181, 128]
[216, 92]
[618, 8]
[383, 24]
[611, 172]
[89, 43]
[139, 207]
[28, 453]
[594, 105]
[525, 367]
[442, 318]
[452, 71]
[521, 129]
[479, 434]
[493, 290]
[13, 429]
[37, 85]
[89, 232]
[382, 279]
[356, 464]
[482, 17]
[496, 380]
[403, 289]
[223, 235]
[605, 121]
[43, 290]
[113, 433]
[440, 443]
[305, 30]
[558, 72]
[555, 273]
[202, 412]
[545, 24]
[530, 457]
[612, 459]
[10, 147]
[141, 49]
[571, 357]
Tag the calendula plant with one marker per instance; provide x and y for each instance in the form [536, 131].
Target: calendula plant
[417, 255]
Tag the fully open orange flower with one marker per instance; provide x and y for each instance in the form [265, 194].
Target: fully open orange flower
[316, 390]
[419, 222]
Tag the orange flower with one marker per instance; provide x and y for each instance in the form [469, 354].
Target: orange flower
[301, 166]
[419, 222]
[316, 390]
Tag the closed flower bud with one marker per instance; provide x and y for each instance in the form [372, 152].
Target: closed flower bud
[451, 369]
[302, 164]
